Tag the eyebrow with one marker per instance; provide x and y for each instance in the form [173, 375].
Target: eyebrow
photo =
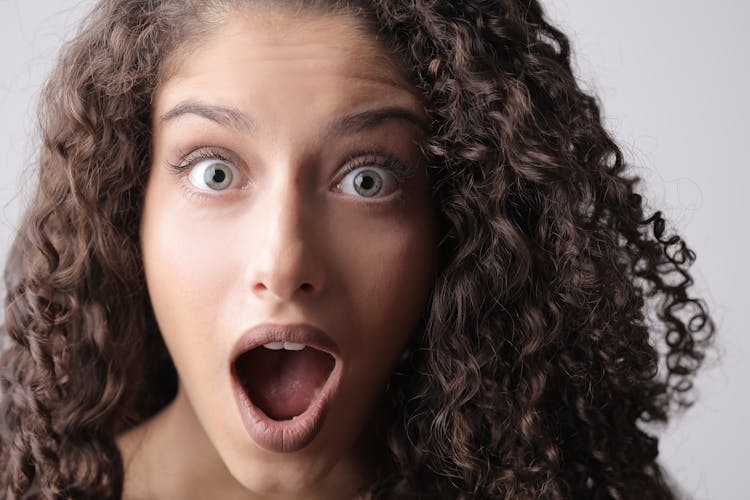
[350, 124]
[222, 115]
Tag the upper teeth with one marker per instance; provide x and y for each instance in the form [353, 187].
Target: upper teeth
[289, 346]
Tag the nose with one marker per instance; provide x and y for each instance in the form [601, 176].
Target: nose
[283, 265]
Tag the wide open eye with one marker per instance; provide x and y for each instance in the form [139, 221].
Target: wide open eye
[368, 182]
[213, 175]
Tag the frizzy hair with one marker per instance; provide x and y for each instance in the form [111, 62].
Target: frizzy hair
[536, 367]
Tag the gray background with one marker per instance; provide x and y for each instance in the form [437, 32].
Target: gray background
[673, 77]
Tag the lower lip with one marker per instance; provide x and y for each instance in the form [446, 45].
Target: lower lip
[286, 435]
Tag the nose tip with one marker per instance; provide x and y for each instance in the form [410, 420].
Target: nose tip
[285, 268]
[284, 243]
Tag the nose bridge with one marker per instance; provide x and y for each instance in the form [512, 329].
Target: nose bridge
[284, 264]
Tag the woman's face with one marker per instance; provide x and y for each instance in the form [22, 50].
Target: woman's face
[287, 202]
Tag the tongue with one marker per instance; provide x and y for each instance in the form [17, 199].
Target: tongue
[283, 383]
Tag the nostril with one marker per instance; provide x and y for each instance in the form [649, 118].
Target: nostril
[262, 288]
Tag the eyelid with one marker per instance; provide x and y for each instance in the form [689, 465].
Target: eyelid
[378, 159]
[205, 153]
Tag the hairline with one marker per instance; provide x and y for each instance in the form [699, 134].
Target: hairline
[204, 20]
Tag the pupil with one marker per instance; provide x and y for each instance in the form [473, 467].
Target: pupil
[367, 182]
[219, 176]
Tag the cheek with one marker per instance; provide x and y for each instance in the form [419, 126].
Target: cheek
[191, 257]
[388, 273]
[187, 276]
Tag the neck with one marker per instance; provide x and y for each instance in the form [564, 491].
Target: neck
[170, 456]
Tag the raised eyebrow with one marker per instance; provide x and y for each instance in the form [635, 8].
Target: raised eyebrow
[222, 115]
[344, 125]
[365, 120]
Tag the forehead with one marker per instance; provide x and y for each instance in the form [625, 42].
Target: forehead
[284, 48]
[289, 77]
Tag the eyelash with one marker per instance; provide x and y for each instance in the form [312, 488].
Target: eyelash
[379, 159]
[369, 157]
[204, 153]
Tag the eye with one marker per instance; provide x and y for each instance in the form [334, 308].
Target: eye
[368, 182]
[213, 175]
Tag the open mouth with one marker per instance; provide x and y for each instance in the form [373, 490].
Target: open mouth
[282, 379]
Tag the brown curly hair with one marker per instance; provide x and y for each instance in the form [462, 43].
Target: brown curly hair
[537, 365]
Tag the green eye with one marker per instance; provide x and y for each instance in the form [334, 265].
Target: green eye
[214, 175]
[368, 182]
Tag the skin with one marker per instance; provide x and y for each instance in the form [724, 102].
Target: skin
[291, 241]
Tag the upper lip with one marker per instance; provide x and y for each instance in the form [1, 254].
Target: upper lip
[296, 333]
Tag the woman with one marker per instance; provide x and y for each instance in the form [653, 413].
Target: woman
[336, 249]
